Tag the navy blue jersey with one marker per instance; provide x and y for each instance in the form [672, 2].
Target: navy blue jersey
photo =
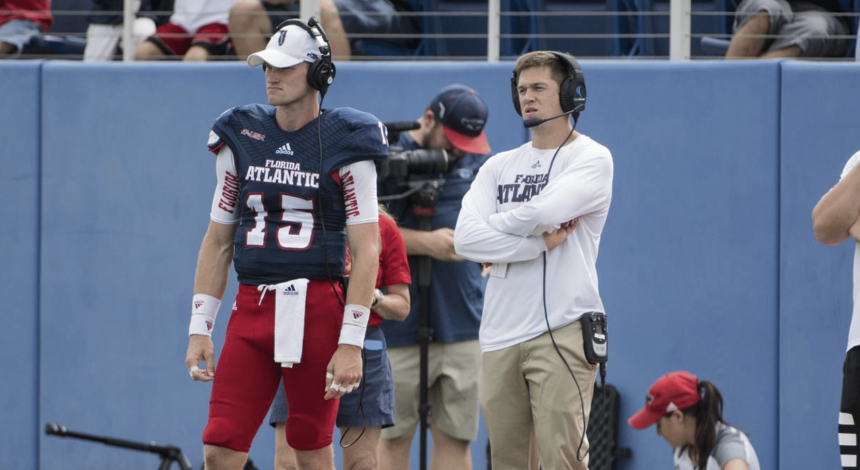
[292, 216]
[456, 295]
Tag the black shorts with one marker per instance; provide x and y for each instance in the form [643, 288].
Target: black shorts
[851, 382]
[377, 401]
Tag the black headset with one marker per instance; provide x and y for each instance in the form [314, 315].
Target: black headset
[571, 94]
[322, 71]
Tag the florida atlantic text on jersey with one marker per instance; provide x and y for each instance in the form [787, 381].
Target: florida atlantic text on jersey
[290, 199]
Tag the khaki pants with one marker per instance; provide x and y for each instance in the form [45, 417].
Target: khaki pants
[528, 386]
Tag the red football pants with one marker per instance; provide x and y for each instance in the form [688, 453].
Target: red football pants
[247, 376]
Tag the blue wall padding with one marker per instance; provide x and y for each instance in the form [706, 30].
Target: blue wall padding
[708, 261]
[818, 113]
[19, 245]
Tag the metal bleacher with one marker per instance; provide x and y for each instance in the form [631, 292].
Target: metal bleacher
[711, 18]
[458, 29]
[586, 28]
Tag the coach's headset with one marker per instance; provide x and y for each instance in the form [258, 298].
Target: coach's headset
[322, 71]
[571, 93]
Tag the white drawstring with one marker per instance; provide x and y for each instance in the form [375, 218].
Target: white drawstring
[265, 288]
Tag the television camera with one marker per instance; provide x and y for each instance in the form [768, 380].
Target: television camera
[407, 168]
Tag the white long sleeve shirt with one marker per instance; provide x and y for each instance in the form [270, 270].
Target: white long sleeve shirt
[506, 211]
[854, 331]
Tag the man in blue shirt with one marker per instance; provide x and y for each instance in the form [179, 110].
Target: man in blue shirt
[454, 121]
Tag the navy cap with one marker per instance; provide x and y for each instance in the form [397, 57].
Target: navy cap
[463, 115]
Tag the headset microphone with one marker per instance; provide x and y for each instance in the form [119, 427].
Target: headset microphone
[532, 122]
[400, 126]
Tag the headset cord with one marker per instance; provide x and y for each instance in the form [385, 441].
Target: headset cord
[322, 212]
[546, 313]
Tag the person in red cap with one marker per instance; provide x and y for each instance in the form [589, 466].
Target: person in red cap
[689, 415]
[454, 121]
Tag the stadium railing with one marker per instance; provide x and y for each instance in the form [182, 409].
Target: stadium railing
[504, 29]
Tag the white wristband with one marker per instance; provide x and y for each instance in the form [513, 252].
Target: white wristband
[355, 319]
[204, 309]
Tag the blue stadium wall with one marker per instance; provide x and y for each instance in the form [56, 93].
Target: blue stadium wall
[708, 262]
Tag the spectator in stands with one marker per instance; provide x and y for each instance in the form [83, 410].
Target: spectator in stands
[253, 21]
[104, 33]
[364, 412]
[689, 415]
[835, 219]
[781, 29]
[197, 31]
[454, 121]
[22, 22]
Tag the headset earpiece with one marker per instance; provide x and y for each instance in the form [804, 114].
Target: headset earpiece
[571, 93]
[322, 71]
[515, 94]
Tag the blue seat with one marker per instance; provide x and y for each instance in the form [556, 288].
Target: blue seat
[710, 18]
[458, 28]
[529, 25]
[49, 45]
[381, 48]
[563, 23]
[519, 27]
[66, 45]
[714, 46]
[853, 7]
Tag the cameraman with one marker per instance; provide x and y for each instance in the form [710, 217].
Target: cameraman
[454, 121]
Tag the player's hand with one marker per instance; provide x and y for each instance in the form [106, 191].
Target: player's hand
[854, 232]
[200, 348]
[442, 245]
[559, 235]
[343, 373]
[485, 269]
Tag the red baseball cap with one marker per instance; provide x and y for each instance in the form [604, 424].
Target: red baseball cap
[674, 391]
[463, 115]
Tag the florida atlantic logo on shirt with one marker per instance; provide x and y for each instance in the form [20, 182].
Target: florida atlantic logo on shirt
[522, 189]
[292, 201]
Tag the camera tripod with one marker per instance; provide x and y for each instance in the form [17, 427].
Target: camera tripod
[424, 194]
[169, 454]
[424, 200]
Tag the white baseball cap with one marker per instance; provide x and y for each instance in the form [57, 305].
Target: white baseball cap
[289, 46]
